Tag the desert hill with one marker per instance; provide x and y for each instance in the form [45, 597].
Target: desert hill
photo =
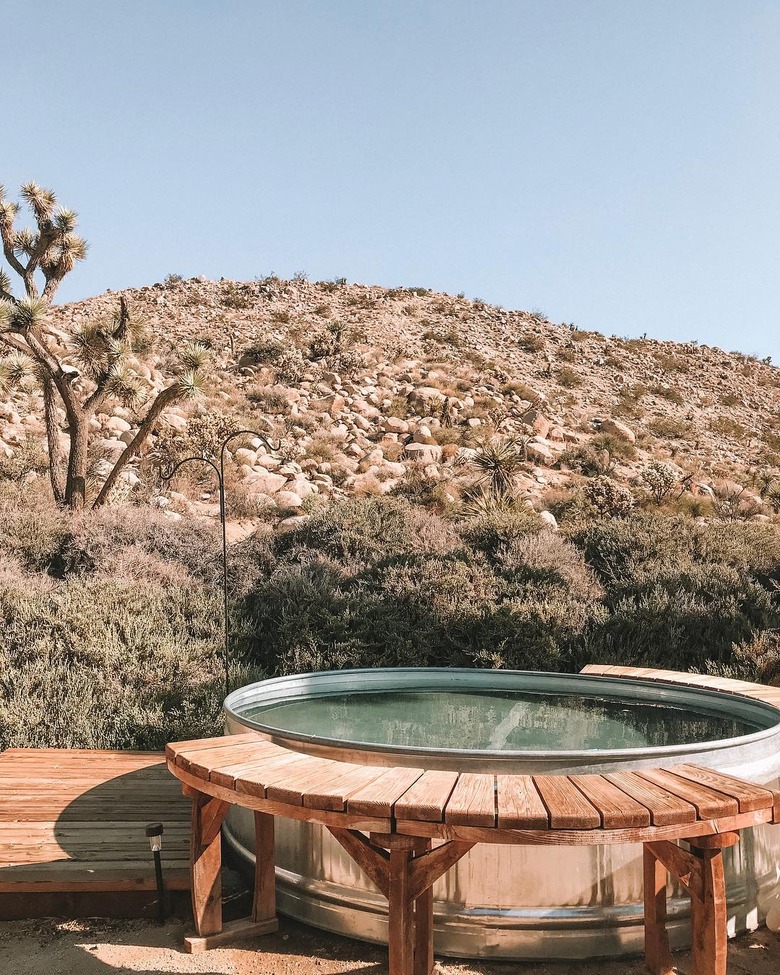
[376, 390]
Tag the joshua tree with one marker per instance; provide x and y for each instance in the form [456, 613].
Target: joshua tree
[83, 371]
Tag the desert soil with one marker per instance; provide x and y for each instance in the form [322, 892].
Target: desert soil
[49, 947]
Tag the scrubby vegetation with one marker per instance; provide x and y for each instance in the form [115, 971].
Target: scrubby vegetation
[111, 630]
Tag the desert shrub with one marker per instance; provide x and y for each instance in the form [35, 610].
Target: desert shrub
[31, 532]
[669, 427]
[98, 664]
[568, 377]
[670, 393]
[531, 342]
[609, 497]
[373, 582]
[680, 593]
[756, 659]
[659, 479]
[90, 544]
[28, 457]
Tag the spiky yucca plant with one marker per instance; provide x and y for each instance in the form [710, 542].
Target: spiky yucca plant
[105, 357]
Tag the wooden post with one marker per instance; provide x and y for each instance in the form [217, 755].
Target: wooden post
[264, 903]
[708, 915]
[658, 957]
[423, 924]
[206, 863]
[400, 933]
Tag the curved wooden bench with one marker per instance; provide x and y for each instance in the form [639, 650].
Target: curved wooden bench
[388, 820]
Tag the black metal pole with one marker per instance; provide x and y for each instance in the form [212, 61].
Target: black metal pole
[160, 889]
[220, 472]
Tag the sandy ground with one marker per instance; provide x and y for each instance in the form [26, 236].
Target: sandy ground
[48, 947]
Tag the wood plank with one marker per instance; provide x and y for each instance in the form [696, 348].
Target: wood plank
[519, 804]
[426, 798]
[378, 797]
[665, 809]
[567, 806]
[617, 810]
[334, 793]
[175, 748]
[748, 795]
[227, 775]
[473, 800]
[708, 803]
[284, 779]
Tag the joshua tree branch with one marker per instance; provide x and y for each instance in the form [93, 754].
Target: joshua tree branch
[166, 398]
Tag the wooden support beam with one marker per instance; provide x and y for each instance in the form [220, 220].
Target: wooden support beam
[245, 927]
[264, 900]
[206, 863]
[400, 921]
[428, 867]
[370, 858]
[683, 866]
[709, 941]
[658, 957]
[423, 923]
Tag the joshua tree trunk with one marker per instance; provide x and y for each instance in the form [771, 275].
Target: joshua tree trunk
[76, 487]
[56, 456]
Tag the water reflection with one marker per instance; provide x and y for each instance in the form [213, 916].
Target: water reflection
[506, 721]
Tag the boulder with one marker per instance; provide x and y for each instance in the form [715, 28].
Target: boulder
[424, 452]
[618, 429]
[267, 483]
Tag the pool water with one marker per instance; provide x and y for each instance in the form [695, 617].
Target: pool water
[498, 720]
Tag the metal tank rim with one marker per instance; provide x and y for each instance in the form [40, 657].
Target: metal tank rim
[277, 690]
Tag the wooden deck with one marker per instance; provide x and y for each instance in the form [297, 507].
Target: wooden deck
[72, 831]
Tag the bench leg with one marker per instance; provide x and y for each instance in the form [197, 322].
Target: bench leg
[658, 957]
[423, 925]
[708, 915]
[401, 911]
[264, 902]
[206, 863]
[206, 878]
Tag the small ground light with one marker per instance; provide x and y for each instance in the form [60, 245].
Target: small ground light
[154, 833]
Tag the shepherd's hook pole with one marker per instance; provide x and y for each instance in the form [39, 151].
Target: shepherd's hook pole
[220, 472]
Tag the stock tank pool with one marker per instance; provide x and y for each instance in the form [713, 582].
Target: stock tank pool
[502, 901]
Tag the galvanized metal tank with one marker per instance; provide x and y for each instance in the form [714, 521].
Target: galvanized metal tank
[508, 901]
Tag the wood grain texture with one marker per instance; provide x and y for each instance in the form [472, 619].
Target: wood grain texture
[567, 806]
[519, 804]
[708, 803]
[73, 822]
[617, 810]
[472, 801]
[665, 808]
[427, 798]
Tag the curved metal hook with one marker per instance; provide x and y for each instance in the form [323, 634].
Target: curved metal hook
[187, 460]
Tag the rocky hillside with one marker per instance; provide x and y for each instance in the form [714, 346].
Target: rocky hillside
[376, 390]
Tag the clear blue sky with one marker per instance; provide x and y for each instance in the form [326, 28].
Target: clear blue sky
[614, 163]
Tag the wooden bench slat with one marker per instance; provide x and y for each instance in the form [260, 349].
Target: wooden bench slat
[665, 809]
[378, 797]
[256, 783]
[519, 804]
[568, 807]
[185, 748]
[427, 797]
[202, 763]
[618, 811]
[473, 801]
[749, 796]
[227, 775]
[709, 804]
[333, 794]
[291, 786]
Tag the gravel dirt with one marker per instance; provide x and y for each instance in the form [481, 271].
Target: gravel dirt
[49, 947]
